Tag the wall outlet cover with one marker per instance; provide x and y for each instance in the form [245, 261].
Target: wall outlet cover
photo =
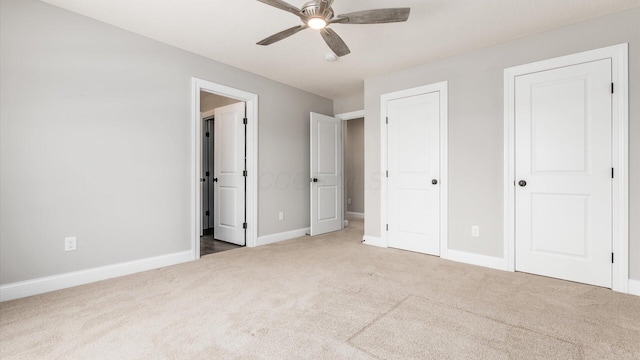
[70, 243]
[475, 231]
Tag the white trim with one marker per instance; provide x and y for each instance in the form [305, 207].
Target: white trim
[634, 287]
[442, 88]
[350, 115]
[251, 101]
[287, 235]
[26, 288]
[620, 117]
[374, 241]
[355, 215]
[477, 259]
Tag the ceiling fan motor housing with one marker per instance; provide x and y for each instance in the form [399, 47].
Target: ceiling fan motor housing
[312, 10]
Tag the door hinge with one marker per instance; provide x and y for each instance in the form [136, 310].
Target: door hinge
[244, 225]
[387, 121]
[207, 134]
[612, 258]
[387, 227]
[207, 213]
[612, 88]
[207, 173]
[612, 173]
[244, 173]
[244, 121]
[387, 173]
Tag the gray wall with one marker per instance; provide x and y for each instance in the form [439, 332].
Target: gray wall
[348, 104]
[95, 143]
[476, 126]
[354, 164]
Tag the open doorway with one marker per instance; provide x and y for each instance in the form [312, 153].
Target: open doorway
[354, 168]
[353, 165]
[222, 167]
[234, 122]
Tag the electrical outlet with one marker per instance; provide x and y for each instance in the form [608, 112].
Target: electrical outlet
[70, 243]
[475, 231]
[348, 201]
[281, 215]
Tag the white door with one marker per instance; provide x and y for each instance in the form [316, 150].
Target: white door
[563, 173]
[326, 174]
[229, 165]
[413, 161]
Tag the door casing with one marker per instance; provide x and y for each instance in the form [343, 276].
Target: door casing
[440, 87]
[620, 153]
[251, 100]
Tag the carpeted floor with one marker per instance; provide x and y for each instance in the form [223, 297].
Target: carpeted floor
[326, 297]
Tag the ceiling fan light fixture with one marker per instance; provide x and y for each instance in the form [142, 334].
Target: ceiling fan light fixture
[317, 23]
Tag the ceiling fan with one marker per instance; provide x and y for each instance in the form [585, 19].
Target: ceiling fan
[318, 14]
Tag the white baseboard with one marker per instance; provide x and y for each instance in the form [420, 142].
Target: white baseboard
[287, 235]
[42, 285]
[476, 259]
[355, 215]
[373, 241]
[634, 287]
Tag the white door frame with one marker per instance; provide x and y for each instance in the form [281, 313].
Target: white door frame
[444, 145]
[620, 153]
[359, 114]
[251, 100]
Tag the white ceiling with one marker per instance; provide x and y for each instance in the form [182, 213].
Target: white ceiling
[227, 31]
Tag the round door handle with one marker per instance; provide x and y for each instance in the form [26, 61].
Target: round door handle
[203, 180]
[434, 182]
[315, 180]
[522, 183]
[215, 179]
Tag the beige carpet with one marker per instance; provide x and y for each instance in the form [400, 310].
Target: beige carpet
[327, 297]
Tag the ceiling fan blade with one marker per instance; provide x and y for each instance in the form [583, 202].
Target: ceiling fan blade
[378, 16]
[334, 41]
[283, 5]
[323, 5]
[282, 35]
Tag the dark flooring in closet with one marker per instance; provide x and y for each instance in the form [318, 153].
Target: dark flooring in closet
[209, 245]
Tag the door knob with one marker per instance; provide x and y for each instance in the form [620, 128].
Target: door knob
[434, 182]
[215, 179]
[203, 180]
[314, 180]
[522, 183]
